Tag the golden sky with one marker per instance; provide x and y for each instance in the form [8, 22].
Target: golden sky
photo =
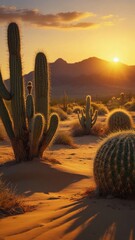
[72, 30]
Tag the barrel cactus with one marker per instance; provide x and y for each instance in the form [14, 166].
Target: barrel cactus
[114, 165]
[119, 119]
[31, 128]
[88, 116]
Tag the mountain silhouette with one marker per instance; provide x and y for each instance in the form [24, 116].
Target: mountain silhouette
[92, 76]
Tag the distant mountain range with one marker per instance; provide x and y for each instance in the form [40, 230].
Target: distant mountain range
[92, 76]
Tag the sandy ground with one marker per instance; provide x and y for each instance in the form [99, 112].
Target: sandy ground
[56, 186]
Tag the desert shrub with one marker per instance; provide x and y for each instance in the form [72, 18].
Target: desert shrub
[102, 110]
[77, 130]
[77, 109]
[64, 139]
[114, 164]
[130, 106]
[119, 119]
[99, 129]
[69, 110]
[10, 203]
[63, 115]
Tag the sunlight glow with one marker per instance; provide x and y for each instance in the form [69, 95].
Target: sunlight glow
[115, 59]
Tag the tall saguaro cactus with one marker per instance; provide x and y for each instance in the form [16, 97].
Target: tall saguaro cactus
[30, 128]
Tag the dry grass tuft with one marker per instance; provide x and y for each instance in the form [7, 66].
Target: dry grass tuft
[77, 109]
[64, 139]
[63, 115]
[130, 106]
[10, 203]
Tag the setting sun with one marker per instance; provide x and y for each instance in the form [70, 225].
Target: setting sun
[116, 59]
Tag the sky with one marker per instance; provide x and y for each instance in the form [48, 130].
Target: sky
[72, 30]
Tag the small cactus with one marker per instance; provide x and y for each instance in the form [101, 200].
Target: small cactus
[88, 116]
[65, 102]
[114, 165]
[119, 119]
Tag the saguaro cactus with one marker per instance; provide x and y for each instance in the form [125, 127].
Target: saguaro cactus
[88, 116]
[30, 128]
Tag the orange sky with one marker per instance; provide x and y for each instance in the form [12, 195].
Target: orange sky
[72, 30]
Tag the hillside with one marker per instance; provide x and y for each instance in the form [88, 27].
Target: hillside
[91, 76]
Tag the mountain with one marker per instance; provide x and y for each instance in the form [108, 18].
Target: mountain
[92, 76]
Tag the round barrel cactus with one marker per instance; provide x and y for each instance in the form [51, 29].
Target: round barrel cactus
[119, 119]
[114, 165]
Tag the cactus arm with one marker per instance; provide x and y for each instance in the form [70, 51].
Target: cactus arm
[5, 116]
[16, 80]
[49, 135]
[42, 87]
[79, 117]
[82, 119]
[94, 118]
[30, 111]
[4, 93]
[36, 134]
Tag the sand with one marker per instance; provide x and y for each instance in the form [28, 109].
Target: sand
[56, 186]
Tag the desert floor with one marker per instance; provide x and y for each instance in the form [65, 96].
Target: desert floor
[57, 187]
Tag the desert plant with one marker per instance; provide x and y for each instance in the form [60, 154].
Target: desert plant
[62, 115]
[88, 116]
[130, 106]
[10, 203]
[77, 109]
[65, 102]
[69, 110]
[122, 98]
[102, 110]
[64, 139]
[119, 119]
[114, 164]
[99, 129]
[28, 140]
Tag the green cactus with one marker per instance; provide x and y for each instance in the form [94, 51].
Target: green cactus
[88, 116]
[37, 129]
[29, 133]
[119, 119]
[30, 105]
[114, 165]
[65, 102]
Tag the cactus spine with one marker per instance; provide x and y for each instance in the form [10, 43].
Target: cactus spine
[114, 164]
[88, 116]
[119, 119]
[29, 133]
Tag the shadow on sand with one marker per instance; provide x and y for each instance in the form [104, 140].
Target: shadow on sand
[99, 219]
[38, 176]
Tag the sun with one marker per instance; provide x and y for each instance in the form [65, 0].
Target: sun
[116, 59]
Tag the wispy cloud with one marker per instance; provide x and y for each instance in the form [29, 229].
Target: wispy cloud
[62, 20]
[111, 19]
[108, 16]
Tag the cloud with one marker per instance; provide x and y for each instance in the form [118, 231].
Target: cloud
[108, 16]
[62, 20]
